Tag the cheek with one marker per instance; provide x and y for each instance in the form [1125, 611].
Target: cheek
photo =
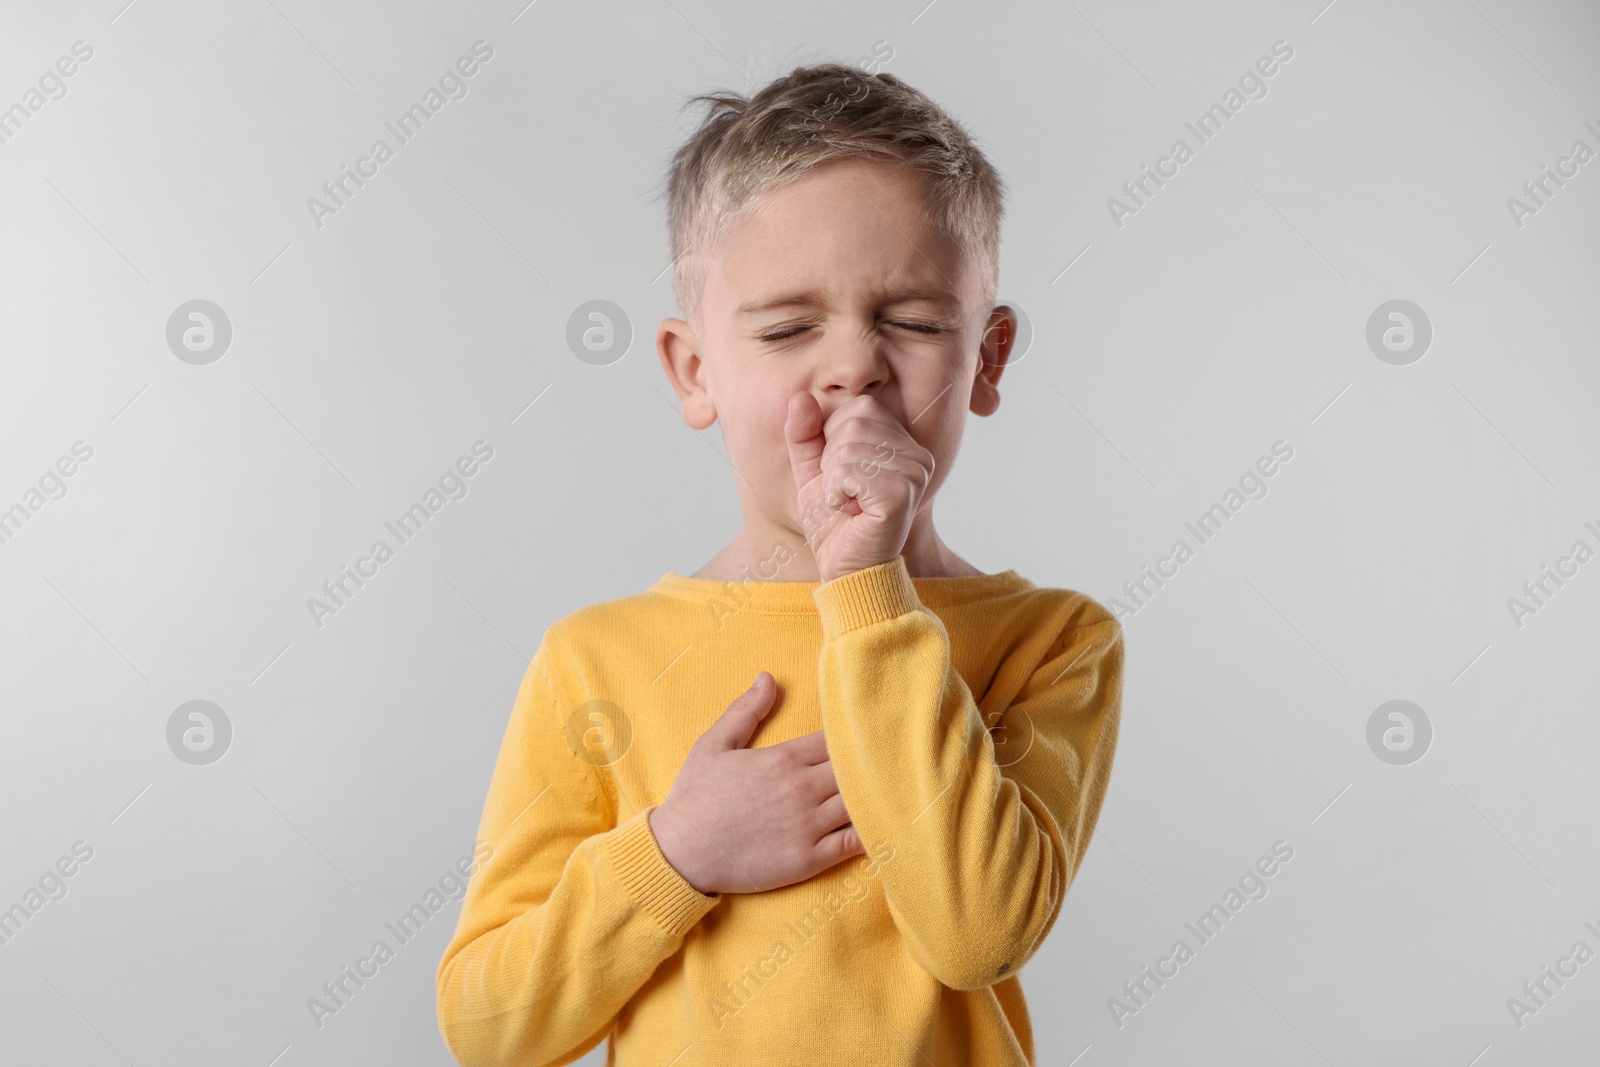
[942, 436]
[756, 430]
[939, 406]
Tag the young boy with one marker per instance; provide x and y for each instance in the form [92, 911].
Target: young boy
[848, 860]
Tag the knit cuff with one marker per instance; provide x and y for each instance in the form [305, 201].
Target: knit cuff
[860, 598]
[647, 876]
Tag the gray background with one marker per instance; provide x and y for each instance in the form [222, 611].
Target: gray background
[370, 353]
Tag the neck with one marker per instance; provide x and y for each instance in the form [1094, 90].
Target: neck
[760, 541]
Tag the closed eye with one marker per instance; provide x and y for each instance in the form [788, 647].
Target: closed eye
[794, 331]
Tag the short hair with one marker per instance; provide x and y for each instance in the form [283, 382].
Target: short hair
[748, 146]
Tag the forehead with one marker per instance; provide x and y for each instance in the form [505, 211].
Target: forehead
[847, 227]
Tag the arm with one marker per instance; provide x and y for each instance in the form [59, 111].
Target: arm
[983, 853]
[570, 915]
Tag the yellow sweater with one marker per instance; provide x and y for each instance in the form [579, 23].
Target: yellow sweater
[971, 723]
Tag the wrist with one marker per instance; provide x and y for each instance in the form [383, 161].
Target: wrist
[664, 827]
[829, 575]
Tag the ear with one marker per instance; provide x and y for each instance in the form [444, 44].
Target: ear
[994, 349]
[680, 358]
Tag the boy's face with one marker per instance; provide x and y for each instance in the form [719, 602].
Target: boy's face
[835, 285]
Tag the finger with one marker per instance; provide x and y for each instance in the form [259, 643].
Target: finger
[843, 483]
[858, 468]
[811, 748]
[867, 448]
[841, 844]
[821, 779]
[735, 726]
[831, 813]
[802, 429]
[862, 439]
[871, 410]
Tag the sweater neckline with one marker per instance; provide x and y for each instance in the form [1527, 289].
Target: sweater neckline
[799, 598]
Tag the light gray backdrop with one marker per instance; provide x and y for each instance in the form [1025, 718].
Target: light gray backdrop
[1173, 343]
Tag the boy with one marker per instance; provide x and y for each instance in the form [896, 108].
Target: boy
[856, 857]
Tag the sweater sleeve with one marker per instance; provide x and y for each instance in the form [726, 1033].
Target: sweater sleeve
[983, 847]
[571, 912]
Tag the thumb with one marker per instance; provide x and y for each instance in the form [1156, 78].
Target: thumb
[803, 430]
[735, 726]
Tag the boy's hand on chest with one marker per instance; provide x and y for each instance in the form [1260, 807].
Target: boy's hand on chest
[745, 820]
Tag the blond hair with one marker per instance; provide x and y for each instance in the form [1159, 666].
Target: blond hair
[748, 146]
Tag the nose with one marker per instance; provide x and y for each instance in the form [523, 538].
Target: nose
[854, 362]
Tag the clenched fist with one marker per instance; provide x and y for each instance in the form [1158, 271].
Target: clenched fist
[859, 478]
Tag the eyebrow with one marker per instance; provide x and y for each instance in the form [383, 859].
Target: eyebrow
[816, 298]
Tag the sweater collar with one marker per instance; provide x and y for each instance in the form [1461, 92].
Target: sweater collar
[798, 598]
